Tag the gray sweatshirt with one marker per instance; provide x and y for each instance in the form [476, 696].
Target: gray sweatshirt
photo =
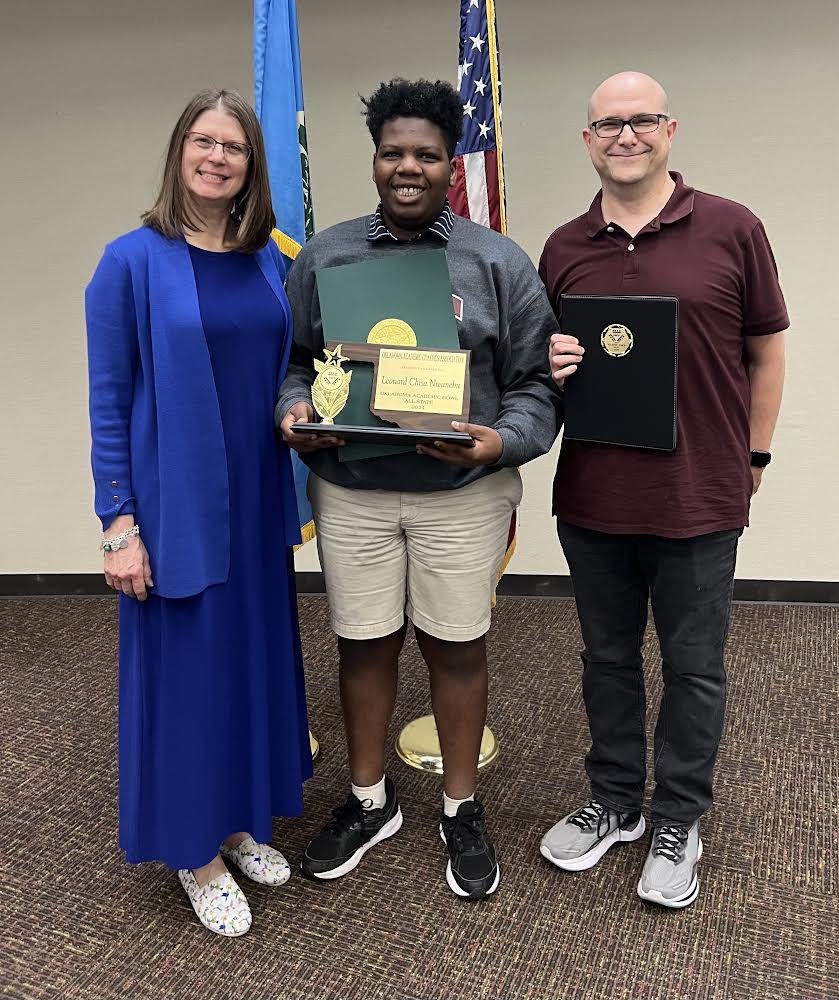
[506, 323]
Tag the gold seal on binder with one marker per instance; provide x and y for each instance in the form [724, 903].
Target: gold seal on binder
[616, 340]
[393, 332]
[331, 387]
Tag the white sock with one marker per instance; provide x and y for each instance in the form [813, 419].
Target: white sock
[371, 796]
[450, 805]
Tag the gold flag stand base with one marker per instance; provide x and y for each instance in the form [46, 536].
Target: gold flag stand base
[418, 745]
[314, 746]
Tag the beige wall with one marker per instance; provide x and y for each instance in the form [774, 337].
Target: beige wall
[97, 86]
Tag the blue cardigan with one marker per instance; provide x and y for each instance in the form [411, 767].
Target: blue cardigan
[158, 445]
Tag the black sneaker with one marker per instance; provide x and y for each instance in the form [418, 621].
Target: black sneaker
[351, 832]
[472, 871]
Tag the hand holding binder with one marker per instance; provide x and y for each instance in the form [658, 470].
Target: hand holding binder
[625, 392]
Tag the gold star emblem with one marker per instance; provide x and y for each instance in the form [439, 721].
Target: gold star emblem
[335, 357]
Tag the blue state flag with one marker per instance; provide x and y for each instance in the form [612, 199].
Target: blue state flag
[278, 99]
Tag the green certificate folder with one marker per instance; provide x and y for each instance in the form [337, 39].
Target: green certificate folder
[413, 288]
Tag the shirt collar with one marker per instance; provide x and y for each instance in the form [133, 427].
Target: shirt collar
[678, 206]
[442, 227]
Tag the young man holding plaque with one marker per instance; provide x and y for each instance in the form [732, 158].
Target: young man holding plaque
[421, 534]
[638, 524]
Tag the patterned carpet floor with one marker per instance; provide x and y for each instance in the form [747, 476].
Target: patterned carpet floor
[79, 923]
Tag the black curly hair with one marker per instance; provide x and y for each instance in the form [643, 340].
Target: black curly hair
[437, 102]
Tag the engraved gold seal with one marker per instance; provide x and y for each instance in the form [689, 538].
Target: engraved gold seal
[331, 388]
[394, 332]
[616, 340]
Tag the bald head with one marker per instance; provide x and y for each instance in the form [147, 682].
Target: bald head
[623, 87]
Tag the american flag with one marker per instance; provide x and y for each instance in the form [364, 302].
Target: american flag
[478, 191]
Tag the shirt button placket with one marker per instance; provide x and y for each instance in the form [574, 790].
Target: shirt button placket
[631, 267]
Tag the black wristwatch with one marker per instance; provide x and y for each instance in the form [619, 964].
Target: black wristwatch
[760, 459]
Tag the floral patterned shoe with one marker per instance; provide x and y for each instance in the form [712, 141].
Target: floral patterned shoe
[220, 905]
[260, 862]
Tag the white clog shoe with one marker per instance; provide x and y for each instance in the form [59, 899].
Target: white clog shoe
[260, 862]
[220, 905]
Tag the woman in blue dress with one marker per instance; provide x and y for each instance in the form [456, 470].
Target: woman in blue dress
[188, 338]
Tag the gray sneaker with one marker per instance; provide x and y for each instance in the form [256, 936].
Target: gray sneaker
[580, 840]
[669, 877]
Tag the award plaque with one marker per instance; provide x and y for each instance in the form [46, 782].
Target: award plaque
[624, 392]
[393, 372]
[417, 391]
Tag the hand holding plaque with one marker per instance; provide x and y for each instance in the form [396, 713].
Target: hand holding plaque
[390, 323]
[418, 390]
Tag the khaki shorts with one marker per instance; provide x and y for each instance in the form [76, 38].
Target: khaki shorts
[433, 556]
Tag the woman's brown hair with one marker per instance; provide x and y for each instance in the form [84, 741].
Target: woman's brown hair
[253, 216]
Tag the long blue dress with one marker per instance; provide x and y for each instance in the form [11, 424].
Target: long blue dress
[213, 733]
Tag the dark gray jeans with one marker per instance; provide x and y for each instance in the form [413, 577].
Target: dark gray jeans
[688, 582]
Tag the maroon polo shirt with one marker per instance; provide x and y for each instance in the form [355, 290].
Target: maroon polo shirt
[713, 255]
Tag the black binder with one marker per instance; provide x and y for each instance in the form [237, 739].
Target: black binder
[624, 391]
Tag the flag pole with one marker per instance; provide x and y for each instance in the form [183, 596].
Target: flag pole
[480, 157]
[278, 100]
[495, 76]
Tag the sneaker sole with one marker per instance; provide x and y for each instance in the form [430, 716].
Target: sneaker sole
[223, 934]
[388, 830]
[459, 890]
[590, 858]
[654, 896]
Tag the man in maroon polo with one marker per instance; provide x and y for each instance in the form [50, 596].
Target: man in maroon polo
[638, 525]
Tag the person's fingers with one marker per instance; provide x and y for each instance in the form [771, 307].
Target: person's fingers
[311, 442]
[562, 373]
[295, 440]
[139, 587]
[296, 415]
[561, 342]
[576, 350]
[485, 447]
[286, 431]
[476, 431]
[452, 454]
[563, 367]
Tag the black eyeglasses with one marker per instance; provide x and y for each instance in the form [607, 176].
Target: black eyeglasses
[609, 128]
[232, 150]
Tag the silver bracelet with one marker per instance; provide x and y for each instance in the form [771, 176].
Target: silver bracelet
[119, 541]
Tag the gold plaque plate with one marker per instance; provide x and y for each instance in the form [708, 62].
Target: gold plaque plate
[419, 746]
[314, 746]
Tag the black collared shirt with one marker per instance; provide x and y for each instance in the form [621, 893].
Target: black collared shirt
[441, 228]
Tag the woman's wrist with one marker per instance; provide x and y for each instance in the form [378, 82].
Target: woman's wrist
[115, 540]
[119, 523]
